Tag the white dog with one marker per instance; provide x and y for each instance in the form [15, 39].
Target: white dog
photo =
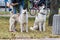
[22, 19]
[40, 20]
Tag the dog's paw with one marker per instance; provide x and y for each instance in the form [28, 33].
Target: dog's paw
[31, 28]
[12, 30]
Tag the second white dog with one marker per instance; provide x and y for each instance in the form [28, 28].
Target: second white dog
[40, 20]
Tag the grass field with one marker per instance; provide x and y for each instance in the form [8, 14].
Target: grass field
[4, 13]
[4, 30]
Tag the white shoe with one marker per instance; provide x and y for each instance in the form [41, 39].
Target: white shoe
[31, 28]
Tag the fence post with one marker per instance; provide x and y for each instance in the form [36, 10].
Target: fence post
[5, 4]
[56, 25]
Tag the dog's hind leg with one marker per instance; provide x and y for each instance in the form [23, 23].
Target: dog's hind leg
[14, 26]
[11, 28]
[35, 27]
[22, 27]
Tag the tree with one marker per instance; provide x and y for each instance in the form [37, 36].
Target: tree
[54, 10]
[26, 3]
[59, 3]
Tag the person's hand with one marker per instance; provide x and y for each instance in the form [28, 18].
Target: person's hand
[16, 3]
[8, 5]
[13, 4]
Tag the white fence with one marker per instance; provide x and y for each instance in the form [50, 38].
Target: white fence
[56, 24]
[2, 3]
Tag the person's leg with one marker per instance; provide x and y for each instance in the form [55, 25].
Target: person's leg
[21, 8]
[14, 10]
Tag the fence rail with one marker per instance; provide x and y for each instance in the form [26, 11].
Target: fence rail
[3, 7]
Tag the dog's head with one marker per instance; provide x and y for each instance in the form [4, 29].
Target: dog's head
[24, 11]
[41, 7]
[43, 10]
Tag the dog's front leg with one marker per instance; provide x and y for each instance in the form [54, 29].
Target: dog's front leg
[40, 26]
[44, 26]
[26, 27]
[26, 22]
[22, 27]
[35, 27]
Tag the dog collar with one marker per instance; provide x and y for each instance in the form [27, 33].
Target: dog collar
[42, 13]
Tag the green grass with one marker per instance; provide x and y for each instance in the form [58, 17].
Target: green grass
[4, 13]
[4, 30]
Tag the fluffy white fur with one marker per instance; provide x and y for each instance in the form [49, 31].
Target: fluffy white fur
[40, 20]
[21, 19]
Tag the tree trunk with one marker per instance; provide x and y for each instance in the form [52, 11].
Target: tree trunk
[54, 10]
[59, 3]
